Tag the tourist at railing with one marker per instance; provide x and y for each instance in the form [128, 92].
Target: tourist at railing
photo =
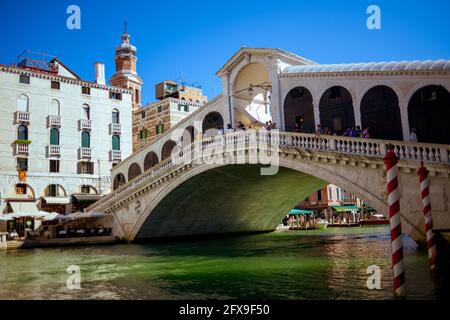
[229, 129]
[413, 135]
[366, 133]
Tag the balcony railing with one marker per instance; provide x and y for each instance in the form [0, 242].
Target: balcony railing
[22, 148]
[53, 151]
[84, 153]
[22, 116]
[85, 124]
[115, 155]
[115, 128]
[54, 121]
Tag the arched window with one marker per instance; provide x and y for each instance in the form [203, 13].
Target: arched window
[85, 140]
[160, 128]
[85, 112]
[22, 132]
[22, 103]
[115, 116]
[54, 137]
[54, 108]
[119, 180]
[116, 143]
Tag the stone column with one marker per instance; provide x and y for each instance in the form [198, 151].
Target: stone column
[357, 113]
[229, 115]
[316, 103]
[403, 105]
[276, 99]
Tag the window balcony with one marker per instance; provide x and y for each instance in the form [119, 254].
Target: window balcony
[115, 128]
[115, 155]
[85, 124]
[84, 153]
[22, 148]
[54, 121]
[22, 117]
[53, 151]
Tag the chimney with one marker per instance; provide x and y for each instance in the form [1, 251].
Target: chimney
[100, 73]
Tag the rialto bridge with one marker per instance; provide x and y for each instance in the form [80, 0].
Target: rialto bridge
[246, 181]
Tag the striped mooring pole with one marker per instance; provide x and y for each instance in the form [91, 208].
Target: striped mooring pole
[425, 189]
[391, 162]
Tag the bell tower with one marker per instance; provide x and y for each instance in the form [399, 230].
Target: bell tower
[126, 75]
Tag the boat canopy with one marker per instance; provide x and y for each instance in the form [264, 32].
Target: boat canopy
[300, 211]
[345, 208]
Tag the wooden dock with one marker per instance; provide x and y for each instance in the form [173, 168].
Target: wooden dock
[25, 244]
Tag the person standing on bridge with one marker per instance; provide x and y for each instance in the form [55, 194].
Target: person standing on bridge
[413, 135]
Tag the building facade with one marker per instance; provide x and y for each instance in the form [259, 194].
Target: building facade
[60, 135]
[176, 102]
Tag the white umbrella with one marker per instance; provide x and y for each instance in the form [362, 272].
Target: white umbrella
[21, 214]
[3, 218]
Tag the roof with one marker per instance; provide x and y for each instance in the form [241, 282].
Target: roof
[300, 211]
[371, 66]
[238, 56]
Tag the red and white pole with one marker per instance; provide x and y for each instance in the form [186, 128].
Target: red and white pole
[425, 189]
[391, 162]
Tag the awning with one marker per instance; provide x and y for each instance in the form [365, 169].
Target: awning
[56, 200]
[300, 211]
[25, 209]
[91, 214]
[345, 208]
[85, 197]
[55, 216]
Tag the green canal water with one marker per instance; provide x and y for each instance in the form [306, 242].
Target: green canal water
[330, 264]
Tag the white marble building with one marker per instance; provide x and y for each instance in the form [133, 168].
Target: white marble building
[64, 132]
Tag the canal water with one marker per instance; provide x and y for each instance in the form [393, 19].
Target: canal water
[328, 264]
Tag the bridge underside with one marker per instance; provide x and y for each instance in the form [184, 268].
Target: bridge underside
[229, 199]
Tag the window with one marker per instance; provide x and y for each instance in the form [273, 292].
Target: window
[115, 116]
[142, 114]
[21, 188]
[24, 79]
[116, 143]
[182, 107]
[330, 193]
[136, 96]
[22, 103]
[168, 87]
[143, 134]
[115, 95]
[86, 90]
[86, 112]
[55, 85]
[319, 195]
[85, 189]
[159, 109]
[54, 166]
[52, 190]
[54, 108]
[22, 132]
[85, 140]
[22, 164]
[54, 137]
[160, 128]
[86, 168]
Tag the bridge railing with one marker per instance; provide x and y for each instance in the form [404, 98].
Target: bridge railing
[434, 153]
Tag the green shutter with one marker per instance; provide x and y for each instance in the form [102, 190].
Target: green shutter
[54, 137]
[116, 143]
[85, 140]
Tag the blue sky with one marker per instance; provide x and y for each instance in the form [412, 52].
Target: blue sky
[195, 38]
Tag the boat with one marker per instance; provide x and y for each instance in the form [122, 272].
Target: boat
[320, 224]
[375, 220]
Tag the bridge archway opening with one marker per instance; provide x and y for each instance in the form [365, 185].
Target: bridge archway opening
[150, 160]
[212, 207]
[336, 110]
[429, 114]
[380, 112]
[133, 171]
[212, 123]
[169, 148]
[252, 94]
[188, 136]
[299, 111]
[119, 180]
